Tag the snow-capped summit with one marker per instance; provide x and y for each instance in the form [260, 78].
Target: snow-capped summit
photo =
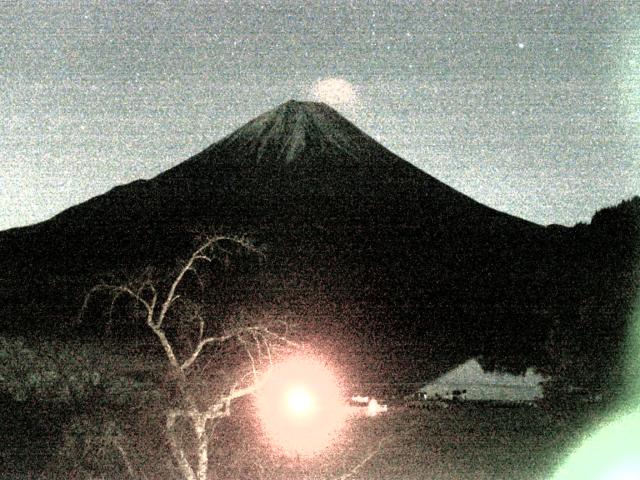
[299, 131]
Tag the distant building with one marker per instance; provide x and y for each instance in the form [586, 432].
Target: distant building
[470, 382]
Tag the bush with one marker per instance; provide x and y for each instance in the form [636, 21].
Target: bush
[47, 372]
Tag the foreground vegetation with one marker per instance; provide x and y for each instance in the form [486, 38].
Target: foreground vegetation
[462, 442]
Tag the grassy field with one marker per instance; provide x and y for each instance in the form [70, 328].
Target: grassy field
[462, 442]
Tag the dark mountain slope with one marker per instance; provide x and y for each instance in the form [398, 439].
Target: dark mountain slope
[361, 244]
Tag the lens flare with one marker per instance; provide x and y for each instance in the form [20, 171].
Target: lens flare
[301, 406]
[612, 452]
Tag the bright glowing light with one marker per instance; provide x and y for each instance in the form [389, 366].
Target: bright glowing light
[335, 91]
[372, 408]
[301, 406]
[300, 401]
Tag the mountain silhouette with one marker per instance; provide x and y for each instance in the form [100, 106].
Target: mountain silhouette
[373, 254]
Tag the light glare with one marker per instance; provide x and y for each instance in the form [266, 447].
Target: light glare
[300, 401]
[301, 407]
[611, 453]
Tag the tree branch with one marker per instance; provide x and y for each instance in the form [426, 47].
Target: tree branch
[201, 344]
[199, 254]
[127, 461]
[237, 334]
[363, 462]
[117, 290]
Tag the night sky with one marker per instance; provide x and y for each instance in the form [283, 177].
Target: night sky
[532, 108]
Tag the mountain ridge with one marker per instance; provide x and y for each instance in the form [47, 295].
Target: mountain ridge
[249, 141]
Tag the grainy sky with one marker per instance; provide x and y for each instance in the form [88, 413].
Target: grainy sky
[532, 108]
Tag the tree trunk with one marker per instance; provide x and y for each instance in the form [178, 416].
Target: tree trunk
[200, 427]
[176, 450]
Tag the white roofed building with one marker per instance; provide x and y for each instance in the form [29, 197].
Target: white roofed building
[470, 382]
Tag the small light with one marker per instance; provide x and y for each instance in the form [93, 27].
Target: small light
[372, 408]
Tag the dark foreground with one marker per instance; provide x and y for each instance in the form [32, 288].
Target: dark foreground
[461, 442]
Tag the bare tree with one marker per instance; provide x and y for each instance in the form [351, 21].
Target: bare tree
[192, 344]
